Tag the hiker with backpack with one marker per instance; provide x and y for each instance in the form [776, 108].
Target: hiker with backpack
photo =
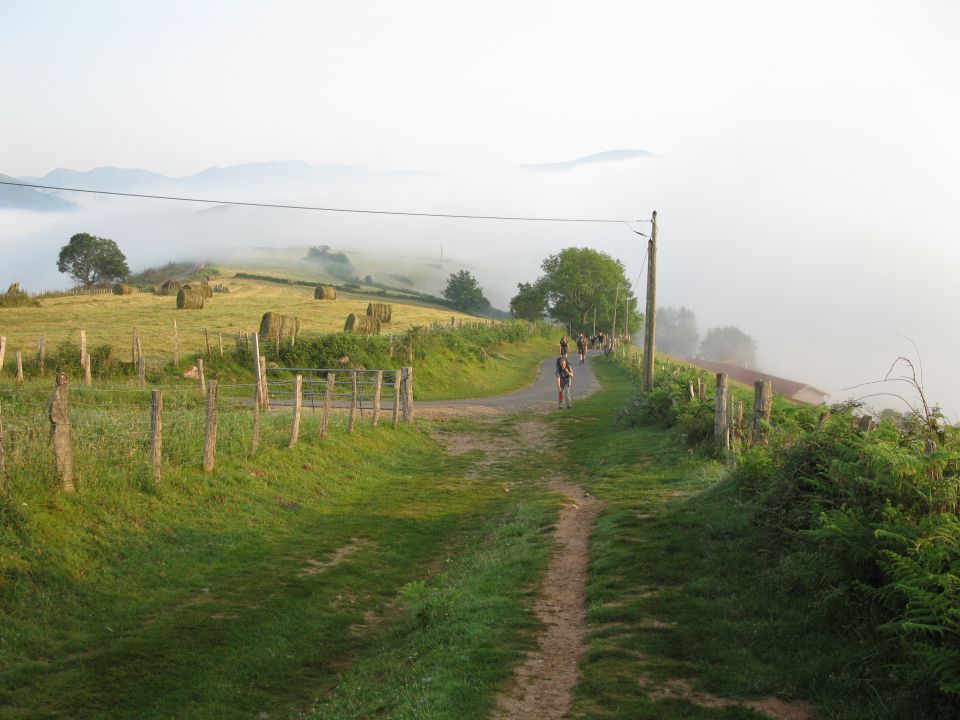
[564, 382]
[582, 347]
[564, 346]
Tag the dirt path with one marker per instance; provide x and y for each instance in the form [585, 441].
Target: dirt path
[543, 685]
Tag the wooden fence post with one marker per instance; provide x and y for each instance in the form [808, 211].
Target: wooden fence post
[59, 412]
[258, 378]
[139, 349]
[396, 397]
[200, 377]
[210, 434]
[353, 401]
[19, 367]
[721, 426]
[133, 348]
[327, 400]
[297, 408]
[206, 339]
[83, 347]
[762, 404]
[42, 355]
[141, 370]
[220, 342]
[3, 350]
[408, 395]
[377, 388]
[263, 381]
[87, 371]
[156, 431]
[176, 344]
[255, 441]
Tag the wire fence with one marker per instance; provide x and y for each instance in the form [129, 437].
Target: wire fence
[115, 429]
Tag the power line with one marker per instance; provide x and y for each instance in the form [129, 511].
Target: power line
[322, 209]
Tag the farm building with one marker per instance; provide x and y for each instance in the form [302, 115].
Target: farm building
[791, 389]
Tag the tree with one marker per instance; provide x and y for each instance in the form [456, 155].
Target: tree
[90, 260]
[677, 333]
[530, 302]
[581, 281]
[729, 344]
[464, 293]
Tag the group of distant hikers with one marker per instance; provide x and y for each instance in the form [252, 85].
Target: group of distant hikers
[565, 373]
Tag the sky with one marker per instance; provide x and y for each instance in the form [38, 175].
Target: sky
[805, 163]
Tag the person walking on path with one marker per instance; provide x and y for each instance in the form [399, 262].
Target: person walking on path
[582, 347]
[564, 346]
[564, 382]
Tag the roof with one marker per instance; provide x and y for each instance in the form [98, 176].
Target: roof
[781, 386]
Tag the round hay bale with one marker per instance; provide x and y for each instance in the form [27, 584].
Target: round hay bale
[170, 287]
[382, 311]
[207, 291]
[189, 299]
[324, 292]
[275, 325]
[122, 289]
[362, 324]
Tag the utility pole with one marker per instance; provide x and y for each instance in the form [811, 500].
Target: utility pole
[626, 314]
[650, 320]
[616, 301]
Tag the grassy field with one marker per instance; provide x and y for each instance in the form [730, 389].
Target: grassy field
[253, 589]
[110, 319]
[374, 575]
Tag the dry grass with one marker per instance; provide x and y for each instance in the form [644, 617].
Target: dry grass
[108, 319]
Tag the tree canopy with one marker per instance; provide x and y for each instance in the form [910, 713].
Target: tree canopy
[530, 302]
[464, 293]
[91, 260]
[575, 283]
[729, 344]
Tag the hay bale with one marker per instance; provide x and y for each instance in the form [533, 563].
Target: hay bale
[362, 324]
[382, 311]
[171, 287]
[189, 299]
[274, 325]
[123, 289]
[324, 292]
[207, 291]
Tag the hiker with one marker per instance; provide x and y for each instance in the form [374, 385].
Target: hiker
[564, 346]
[581, 347]
[564, 382]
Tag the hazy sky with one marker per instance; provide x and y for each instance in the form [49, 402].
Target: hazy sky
[807, 152]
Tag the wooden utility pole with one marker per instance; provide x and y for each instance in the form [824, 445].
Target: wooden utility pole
[616, 301]
[650, 319]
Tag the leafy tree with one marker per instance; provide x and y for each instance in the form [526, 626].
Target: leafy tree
[579, 281]
[90, 260]
[729, 344]
[464, 292]
[677, 333]
[530, 302]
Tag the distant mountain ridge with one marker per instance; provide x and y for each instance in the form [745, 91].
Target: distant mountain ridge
[13, 197]
[600, 157]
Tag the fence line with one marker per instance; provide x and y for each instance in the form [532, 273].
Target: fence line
[81, 430]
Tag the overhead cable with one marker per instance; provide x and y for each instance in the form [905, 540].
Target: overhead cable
[321, 209]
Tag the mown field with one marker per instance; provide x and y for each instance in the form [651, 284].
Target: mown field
[110, 319]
